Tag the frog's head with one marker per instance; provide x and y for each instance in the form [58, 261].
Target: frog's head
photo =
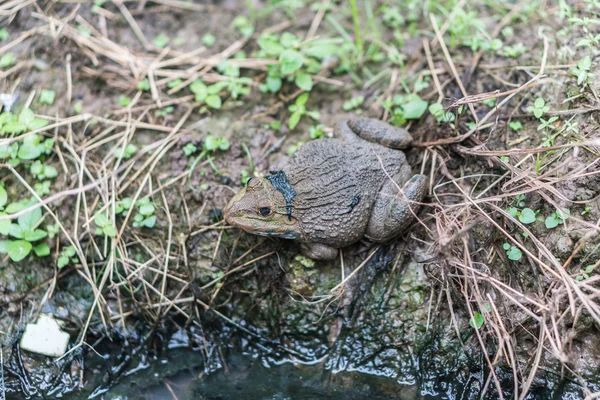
[261, 209]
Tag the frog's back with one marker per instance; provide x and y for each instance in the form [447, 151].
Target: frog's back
[336, 184]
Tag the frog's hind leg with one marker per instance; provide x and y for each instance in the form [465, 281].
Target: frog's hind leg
[394, 211]
[374, 131]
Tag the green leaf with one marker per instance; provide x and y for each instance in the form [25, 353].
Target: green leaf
[294, 120]
[4, 225]
[288, 39]
[34, 236]
[199, 89]
[18, 250]
[147, 209]
[506, 246]
[274, 83]
[270, 44]
[144, 85]
[149, 222]
[47, 96]
[304, 81]
[161, 40]
[7, 60]
[527, 216]
[477, 321]
[209, 40]
[110, 230]
[320, 49]
[101, 219]
[585, 63]
[414, 108]
[301, 100]
[290, 61]
[3, 197]
[62, 261]
[26, 116]
[552, 221]
[213, 101]
[37, 123]
[30, 219]
[29, 152]
[41, 250]
[224, 144]
[15, 231]
[514, 253]
[4, 246]
[515, 125]
[13, 127]
[3, 34]
[211, 143]
[539, 102]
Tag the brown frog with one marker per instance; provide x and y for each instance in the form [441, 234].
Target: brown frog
[333, 192]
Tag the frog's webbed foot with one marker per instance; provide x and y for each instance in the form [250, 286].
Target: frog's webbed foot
[393, 211]
[374, 131]
[317, 251]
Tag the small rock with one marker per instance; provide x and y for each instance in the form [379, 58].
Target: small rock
[45, 337]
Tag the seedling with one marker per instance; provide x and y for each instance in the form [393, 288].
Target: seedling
[209, 40]
[189, 149]
[145, 216]
[557, 218]
[47, 96]
[243, 25]
[104, 225]
[161, 40]
[477, 321]
[24, 233]
[582, 72]
[144, 85]
[405, 107]
[3, 34]
[7, 60]
[125, 153]
[539, 107]
[514, 51]
[547, 124]
[353, 103]
[441, 115]
[512, 252]
[124, 101]
[585, 273]
[515, 125]
[298, 109]
[316, 131]
[66, 256]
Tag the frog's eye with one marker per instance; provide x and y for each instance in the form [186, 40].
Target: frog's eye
[264, 211]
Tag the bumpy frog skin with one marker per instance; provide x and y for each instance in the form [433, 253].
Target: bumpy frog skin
[335, 192]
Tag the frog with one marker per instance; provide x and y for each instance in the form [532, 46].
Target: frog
[336, 191]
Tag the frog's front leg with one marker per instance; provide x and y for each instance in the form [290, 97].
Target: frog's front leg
[317, 251]
[393, 211]
[374, 131]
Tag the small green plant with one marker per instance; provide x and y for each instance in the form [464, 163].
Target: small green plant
[209, 40]
[189, 149]
[585, 273]
[3, 34]
[208, 95]
[124, 101]
[353, 103]
[7, 60]
[103, 225]
[243, 25]
[161, 40]
[24, 233]
[125, 153]
[67, 255]
[144, 85]
[316, 131]
[512, 252]
[547, 124]
[539, 107]
[477, 321]
[405, 107]
[47, 96]
[489, 102]
[164, 112]
[583, 73]
[514, 51]
[515, 125]
[440, 114]
[145, 216]
[298, 110]
[557, 218]
[78, 107]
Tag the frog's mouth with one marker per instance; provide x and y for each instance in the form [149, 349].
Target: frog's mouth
[263, 227]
